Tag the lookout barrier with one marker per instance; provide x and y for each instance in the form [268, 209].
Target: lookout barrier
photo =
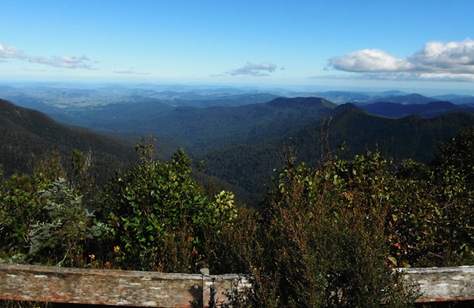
[152, 289]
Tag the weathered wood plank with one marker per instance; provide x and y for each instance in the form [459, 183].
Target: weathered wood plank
[442, 284]
[152, 289]
[100, 287]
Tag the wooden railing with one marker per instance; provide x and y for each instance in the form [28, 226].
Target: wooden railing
[152, 289]
[442, 284]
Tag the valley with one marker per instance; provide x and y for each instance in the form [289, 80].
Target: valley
[236, 143]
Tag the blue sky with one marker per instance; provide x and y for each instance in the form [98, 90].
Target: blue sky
[379, 44]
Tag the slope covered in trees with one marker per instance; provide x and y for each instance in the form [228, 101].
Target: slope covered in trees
[27, 136]
[355, 130]
[203, 129]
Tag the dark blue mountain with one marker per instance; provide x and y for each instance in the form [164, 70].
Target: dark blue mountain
[457, 99]
[428, 110]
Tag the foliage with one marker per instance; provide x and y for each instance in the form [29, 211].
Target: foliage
[23, 304]
[321, 243]
[324, 236]
[459, 154]
[229, 250]
[158, 214]
[42, 221]
[455, 178]
[431, 217]
[329, 236]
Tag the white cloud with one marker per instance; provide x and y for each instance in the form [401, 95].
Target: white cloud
[451, 61]
[451, 57]
[130, 71]
[254, 69]
[369, 60]
[70, 62]
[8, 52]
[81, 62]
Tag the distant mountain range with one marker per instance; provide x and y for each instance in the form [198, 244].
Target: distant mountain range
[426, 110]
[457, 99]
[202, 129]
[74, 97]
[241, 144]
[342, 97]
[233, 120]
[409, 99]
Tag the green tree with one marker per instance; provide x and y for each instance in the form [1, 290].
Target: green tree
[159, 215]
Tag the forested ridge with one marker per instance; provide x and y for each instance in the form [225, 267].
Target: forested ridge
[27, 136]
[348, 131]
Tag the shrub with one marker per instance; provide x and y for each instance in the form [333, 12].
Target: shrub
[321, 240]
[229, 249]
[42, 221]
[158, 215]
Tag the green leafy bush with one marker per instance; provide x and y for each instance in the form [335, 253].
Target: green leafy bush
[158, 215]
[41, 221]
[431, 217]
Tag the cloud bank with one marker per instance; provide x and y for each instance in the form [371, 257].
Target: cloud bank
[73, 62]
[451, 61]
[254, 69]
